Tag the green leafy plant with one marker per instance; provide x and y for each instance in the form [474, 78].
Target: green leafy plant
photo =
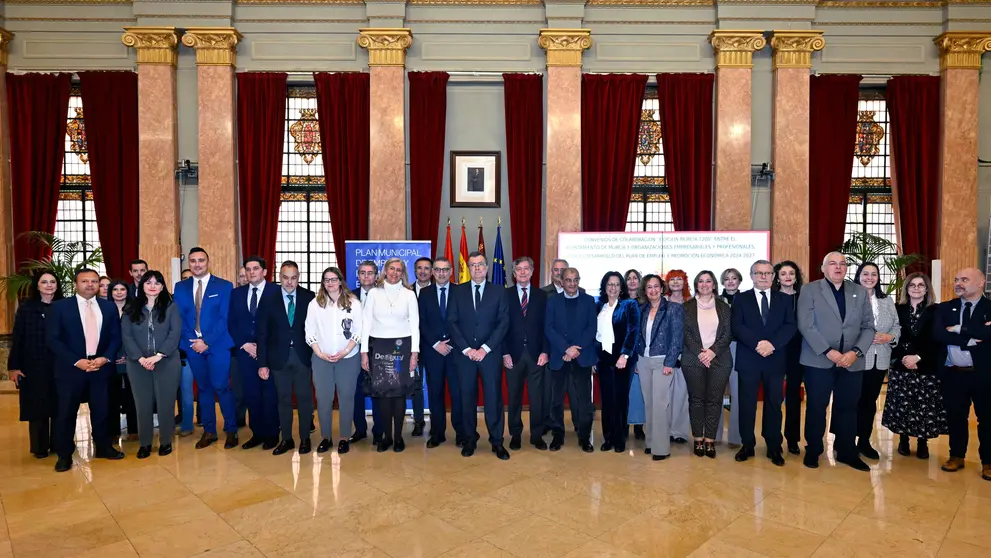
[66, 257]
[865, 247]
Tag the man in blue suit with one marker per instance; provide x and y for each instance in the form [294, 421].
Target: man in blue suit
[438, 358]
[367, 273]
[204, 301]
[259, 395]
[570, 327]
[83, 334]
[477, 320]
[763, 323]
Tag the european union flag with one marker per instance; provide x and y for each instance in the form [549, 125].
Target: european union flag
[498, 265]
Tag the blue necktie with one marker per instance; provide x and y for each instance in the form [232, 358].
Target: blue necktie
[253, 305]
[478, 296]
[765, 309]
[443, 302]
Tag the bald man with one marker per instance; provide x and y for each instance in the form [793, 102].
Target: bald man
[962, 327]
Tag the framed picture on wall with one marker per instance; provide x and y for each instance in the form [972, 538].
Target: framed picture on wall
[475, 179]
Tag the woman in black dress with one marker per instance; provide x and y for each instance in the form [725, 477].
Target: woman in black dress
[913, 406]
[31, 366]
[788, 279]
[120, 398]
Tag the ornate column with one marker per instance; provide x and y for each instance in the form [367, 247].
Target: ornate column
[7, 263]
[564, 134]
[387, 130]
[218, 215]
[158, 190]
[790, 194]
[734, 60]
[960, 65]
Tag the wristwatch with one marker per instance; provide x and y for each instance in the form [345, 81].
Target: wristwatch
[860, 354]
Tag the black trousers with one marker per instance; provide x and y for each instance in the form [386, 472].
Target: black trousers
[360, 422]
[525, 370]
[750, 381]
[614, 385]
[70, 388]
[416, 399]
[120, 399]
[794, 376]
[961, 388]
[576, 381]
[440, 369]
[296, 378]
[393, 413]
[41, 433]
[867, 407]
[844, 386]
[490, 369]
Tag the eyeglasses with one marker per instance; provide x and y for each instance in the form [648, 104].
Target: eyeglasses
[917, 286]
[836, 264]
[764, 273]
[478, 265]
[332, 280]
[612, 285]
[442, 269]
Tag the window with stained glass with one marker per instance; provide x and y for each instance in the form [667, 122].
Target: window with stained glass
[650, 206]
[75, 220]
[870, 209]
[304, 233]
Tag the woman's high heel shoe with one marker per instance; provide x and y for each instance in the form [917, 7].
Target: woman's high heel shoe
[710, 450]
[699, 448]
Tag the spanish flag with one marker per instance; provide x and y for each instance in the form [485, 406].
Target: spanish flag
[463, 275]
[448, 251]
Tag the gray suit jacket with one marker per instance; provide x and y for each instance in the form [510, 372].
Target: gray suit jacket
[886, 321]
[821, 328]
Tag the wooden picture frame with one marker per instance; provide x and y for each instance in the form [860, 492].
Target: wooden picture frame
[476, 178]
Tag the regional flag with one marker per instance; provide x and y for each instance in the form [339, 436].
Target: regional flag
[498, 265]
[449, 252]
[481, 240]
[463, 275]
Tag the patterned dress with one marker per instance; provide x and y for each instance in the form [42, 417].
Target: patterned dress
[914, 405]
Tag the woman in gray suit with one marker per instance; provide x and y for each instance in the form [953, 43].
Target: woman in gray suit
[150, 331]
[706, 360]
[877, 358]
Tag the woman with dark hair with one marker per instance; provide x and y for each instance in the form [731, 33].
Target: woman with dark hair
[731, 279]
[30, 364]
[104, 292]
[119, 397]
[913, 405]
[662, 327]
[616, 334]
[877, 359]
[150, 333]
[632, 278]
[635, 410]
[788, 280]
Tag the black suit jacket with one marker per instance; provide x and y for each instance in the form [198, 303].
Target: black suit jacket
[275, 333]
[948, 314]
[470, 328]
[433, 326]
[749, 329]
[551, 290]
[529, 328]
[67, 341]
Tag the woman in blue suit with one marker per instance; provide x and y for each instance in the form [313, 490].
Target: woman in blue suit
[616, 334]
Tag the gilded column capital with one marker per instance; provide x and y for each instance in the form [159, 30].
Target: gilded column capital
[735, 49]
[215, 46]
[5, 38]
[793, 49]
[962, 49]
[155, 45]
[565, 46]
[385, 46]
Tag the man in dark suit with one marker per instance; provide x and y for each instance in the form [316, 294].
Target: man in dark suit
[524, 354]
[961, 327]
[554, 288]
[83, 334]
[477, 321]
[570, 328]
[138, 270]
[438, 359]
[284, 355]
[763, 323]
[423, 269]
[836, 322]
[367, 274]
[259, 393]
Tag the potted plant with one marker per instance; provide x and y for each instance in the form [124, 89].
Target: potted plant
[66, 257]
[865, 247]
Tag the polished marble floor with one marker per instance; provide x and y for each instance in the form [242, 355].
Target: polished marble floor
[237, 503]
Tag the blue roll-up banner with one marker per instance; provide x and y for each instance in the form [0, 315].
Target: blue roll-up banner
[378, 251]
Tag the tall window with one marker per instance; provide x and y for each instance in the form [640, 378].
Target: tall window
[75, 220]
[304, 234]
[650, 206]
[870, 210]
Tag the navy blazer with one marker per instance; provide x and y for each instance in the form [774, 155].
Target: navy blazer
[625, 328]
[276, 336]
[668, 334]
[563, 333]
[749, 329]
[240, 322]
[529, 327]
[470, 328]
[213, 313]
[433, 326]
[948, 314]
[67, 341]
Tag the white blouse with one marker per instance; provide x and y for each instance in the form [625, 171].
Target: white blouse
[604, 333]
[391, 311]
[325, 326]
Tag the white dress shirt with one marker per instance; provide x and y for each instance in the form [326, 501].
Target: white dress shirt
[259, 286]
[325, 326]
[391, 311]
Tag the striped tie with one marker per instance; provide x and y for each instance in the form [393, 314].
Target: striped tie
[524, 302]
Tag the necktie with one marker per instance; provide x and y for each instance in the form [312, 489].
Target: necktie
[443, 302]
[524, 302]
[764, 307]
[198, 301]
[253, 305]
[292, 309]
[966, 313]
[478, 296]
[92, 331]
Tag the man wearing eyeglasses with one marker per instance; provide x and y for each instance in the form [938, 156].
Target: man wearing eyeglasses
[763, 323]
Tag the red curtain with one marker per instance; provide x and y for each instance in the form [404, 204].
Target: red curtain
[261, 128]
[110, 112]
[427, 127]
[38, 106]
[913, 110]
[685, 102]
[343, 110]
[524, 98]
[611, 105]
[833, 133]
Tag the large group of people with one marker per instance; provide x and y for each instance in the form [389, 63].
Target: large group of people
[665, 351]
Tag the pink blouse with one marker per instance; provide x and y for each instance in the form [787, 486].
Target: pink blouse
[708, 322]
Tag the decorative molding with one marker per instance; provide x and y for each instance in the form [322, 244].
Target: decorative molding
[652, 22]
[771, 2]
[735, 49]
[650, 3]
[962, 50]
[70, 2]
[565, 46]
[183, 16]
[78, 19]
[475, 2]
[215, 46]
[385, 46]
[309, 20]
[155, 45]
[5, 38]
[284, 2]
[793, 49]
[478, 22]
[871, 4]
